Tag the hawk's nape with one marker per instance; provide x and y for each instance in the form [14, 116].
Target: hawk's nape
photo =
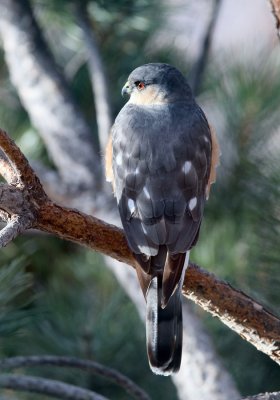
[159, 160]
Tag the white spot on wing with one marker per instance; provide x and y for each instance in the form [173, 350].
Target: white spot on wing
[119, 159]
[146, 193]
[192, 203]
[144, 229]
[187, 167]
[149, 251]
[131, 205]
[206, 140]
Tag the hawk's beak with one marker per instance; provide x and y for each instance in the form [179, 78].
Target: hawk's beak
[126, 90]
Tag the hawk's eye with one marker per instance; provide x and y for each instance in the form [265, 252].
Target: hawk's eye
[140, 85]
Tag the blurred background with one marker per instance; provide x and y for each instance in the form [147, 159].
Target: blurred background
[58, 298]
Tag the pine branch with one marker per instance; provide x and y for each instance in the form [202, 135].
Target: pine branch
[114, 376]
[48, 387]
[238, 311]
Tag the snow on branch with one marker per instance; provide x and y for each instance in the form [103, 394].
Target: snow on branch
[26, 201]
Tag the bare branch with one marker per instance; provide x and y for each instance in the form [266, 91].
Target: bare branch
[116, 377]
[238, 311]
[275, 4]
[14, 228]
[98, 76]
[196, 74]
[48, 387]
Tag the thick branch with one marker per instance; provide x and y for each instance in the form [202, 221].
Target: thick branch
[114, 376]
[275, 4]
[48, 387]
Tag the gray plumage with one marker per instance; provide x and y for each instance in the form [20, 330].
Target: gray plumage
[161, 166]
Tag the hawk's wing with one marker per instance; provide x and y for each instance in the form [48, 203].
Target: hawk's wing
[161, 167]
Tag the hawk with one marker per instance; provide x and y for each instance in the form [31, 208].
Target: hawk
[161, 159]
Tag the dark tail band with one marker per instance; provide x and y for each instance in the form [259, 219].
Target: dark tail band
[163, 329]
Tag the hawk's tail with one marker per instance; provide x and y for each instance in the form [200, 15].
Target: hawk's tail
[163, 329]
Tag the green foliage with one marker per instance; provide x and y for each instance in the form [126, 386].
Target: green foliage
[15, 297]
[240, 233]
[70, 304]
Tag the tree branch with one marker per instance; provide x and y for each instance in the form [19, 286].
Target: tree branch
[234, 308]
[114, 376]
[275, 4]
[48, 387]
[98, 77]
[197, 72]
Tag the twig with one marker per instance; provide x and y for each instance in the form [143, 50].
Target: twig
[48, 387]
[196, 74]
[116, 377]
[275, 4]
[238, 311]
[14, 227]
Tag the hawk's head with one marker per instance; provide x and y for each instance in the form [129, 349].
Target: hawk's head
[156, 83]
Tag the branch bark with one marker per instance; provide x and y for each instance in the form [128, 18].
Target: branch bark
[238, 311]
